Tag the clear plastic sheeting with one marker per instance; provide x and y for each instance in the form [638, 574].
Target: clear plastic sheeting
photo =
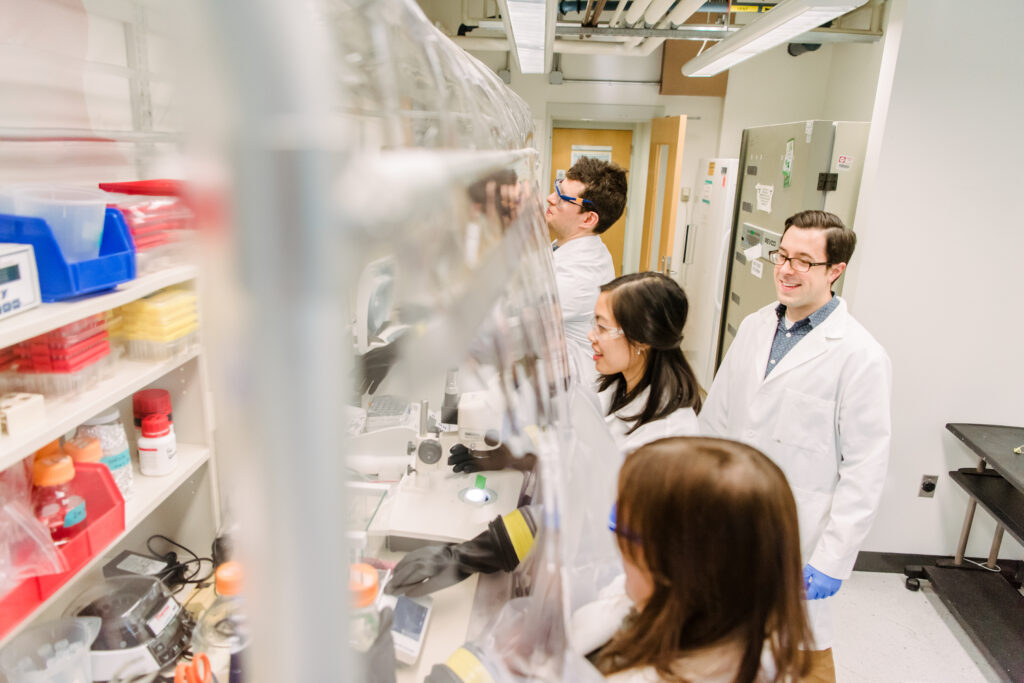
[457, 273]
[408, 85]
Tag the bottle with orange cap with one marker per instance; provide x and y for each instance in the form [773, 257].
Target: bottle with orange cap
[222, 631]
[364, 620]
[54, 500]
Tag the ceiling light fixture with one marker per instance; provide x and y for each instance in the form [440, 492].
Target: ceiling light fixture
[786, 20]
[527, 20]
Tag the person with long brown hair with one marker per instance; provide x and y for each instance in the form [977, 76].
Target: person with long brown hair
[711, 550]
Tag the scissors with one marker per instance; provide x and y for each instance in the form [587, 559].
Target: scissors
[196, 671]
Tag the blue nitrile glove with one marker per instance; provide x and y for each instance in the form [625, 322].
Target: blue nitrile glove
[818, 585]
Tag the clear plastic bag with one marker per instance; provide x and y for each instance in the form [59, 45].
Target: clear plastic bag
[26, 549]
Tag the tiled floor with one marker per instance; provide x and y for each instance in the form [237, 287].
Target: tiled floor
[886, 633]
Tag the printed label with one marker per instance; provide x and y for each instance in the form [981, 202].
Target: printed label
[764, 197]
[137, 564]
[75, 515]
[844, 162]
[757, 268]
[117, 461]
[158, 622]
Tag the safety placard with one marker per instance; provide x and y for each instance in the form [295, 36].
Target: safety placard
[844, 162]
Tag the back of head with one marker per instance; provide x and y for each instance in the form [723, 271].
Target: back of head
[651, 309]
[606, 189]
[715, 524]
[840, 241]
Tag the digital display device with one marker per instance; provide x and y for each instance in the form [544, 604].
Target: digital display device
[410, 617]
[9, 274]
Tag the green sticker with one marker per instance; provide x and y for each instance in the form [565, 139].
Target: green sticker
[481, 481]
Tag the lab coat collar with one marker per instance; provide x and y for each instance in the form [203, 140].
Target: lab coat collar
[577, 243]
[811, 346]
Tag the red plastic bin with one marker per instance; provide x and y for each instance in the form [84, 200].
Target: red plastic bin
[104, 508]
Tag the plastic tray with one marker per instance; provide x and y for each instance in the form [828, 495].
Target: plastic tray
[142, 349]
[168, 303]
[58, 279]
[104, 522]
[58, 383]
[161, 333]
[73, 332]
[84, 353]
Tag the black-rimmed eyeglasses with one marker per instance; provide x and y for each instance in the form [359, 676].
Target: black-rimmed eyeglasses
[797, 264]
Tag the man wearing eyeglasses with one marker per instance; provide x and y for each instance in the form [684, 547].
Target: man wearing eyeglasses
[807, 385]
[583, 205]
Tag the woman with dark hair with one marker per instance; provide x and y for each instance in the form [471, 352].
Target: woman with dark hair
[693, 516]
[647, 389]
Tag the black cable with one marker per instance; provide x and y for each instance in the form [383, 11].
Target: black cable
[177, 574]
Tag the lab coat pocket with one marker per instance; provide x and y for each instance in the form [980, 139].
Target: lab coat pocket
[805, 427]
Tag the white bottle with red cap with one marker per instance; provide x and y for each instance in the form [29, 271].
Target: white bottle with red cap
[158, 447]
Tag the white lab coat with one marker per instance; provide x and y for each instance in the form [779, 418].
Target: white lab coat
[822, 416]
[682, 422]
[582, 265]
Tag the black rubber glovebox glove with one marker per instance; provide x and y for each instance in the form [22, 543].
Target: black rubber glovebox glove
[501, 547]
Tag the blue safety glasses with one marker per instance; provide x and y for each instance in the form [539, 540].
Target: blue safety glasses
[614, 526]
[576, 201]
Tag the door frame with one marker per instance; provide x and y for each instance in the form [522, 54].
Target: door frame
[621, 117]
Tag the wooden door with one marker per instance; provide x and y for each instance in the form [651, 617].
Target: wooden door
[662, 203]
[598, 143]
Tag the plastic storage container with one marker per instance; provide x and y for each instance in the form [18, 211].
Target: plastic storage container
[161, 325]
[222, 630]
[60, 278]
[108, 429]
[151, 402]
[74, 214]
[364, 621]
[55, 498]
[52, 652]
[161, 227]
[67, 360]
[105, 523]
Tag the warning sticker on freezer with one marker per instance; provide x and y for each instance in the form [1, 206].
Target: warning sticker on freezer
[711, 168]
[757, 268]
[844, 162]
[764, 197]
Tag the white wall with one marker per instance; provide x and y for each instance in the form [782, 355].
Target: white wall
[835, 82]
[773, 88]
[937, 273]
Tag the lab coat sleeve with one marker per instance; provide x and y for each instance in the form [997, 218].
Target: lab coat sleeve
[714, 413]
[865, 427]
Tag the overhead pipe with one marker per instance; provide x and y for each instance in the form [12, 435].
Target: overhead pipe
[571, 6]
[636, 11]
[679, 14]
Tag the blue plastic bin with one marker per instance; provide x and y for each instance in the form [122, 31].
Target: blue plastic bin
[60, 280]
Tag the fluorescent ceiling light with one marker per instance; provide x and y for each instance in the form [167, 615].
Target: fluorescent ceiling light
[786, 20]
[527, 19]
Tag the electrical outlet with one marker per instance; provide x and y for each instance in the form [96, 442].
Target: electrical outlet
[928, 484]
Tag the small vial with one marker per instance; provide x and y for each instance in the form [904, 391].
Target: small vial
[158, 448]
